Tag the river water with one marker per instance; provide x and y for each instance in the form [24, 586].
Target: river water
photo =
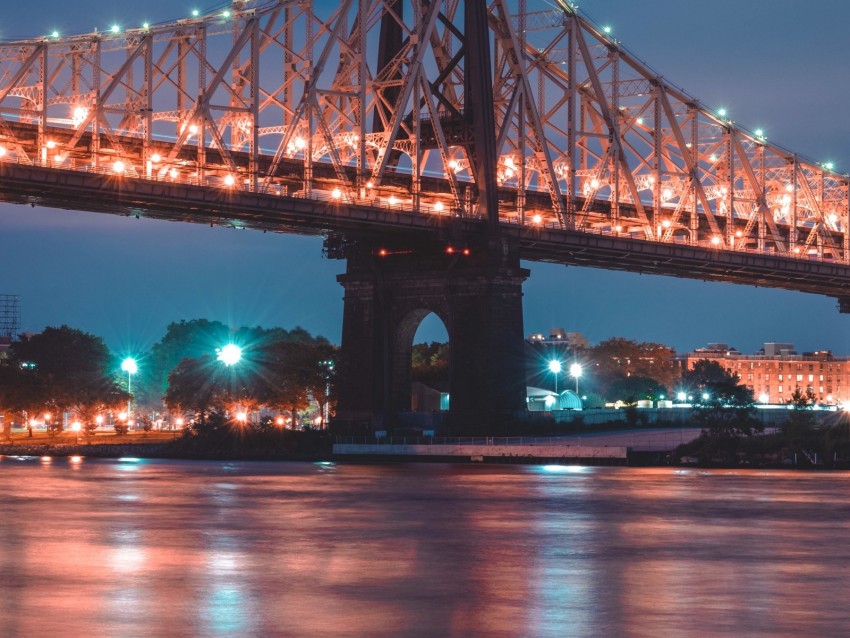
[169, 548]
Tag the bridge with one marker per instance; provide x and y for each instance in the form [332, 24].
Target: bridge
[433, 145]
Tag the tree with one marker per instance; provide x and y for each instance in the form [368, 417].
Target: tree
[430, 365]
[620, 358]
[64, 370]
[296, 370]
[195, 386]
[183, 340]
[636, 388]
[281, 370]
[726, 407]
[801, 419]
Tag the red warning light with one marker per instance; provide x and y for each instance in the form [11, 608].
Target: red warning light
[466, 251]
[382, 252]
[450, 250]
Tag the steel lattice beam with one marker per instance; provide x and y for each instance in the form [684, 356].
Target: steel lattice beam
[536, 120]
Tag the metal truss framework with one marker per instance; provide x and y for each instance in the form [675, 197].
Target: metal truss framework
[272, 96]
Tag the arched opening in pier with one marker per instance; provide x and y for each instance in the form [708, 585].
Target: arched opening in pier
[429, 362]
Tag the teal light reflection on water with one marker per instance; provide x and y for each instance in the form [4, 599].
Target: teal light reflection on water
[566, 469]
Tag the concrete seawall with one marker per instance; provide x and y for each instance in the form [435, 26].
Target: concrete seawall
[479, 452]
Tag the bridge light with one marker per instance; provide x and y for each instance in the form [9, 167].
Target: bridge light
[606, 29]
[639, 120]
[438, 207]
[369, 184]
[50, 144]
[666, 194]
[594, 183]
[118, 167]
[225, 14]
[796, 250]
[618, 228]
[789, 188]
[195, 13]
[829, 166]
[193, 129]
[146, 25]
[738, 233]
[300, 143]
[336, 193]
[715, 240]
[759, 132]
[392, 200]
[156, 158]
[55, 34]
[721, 112]
[115, 28]
[537, 219]
[712, 158]
[666, 223]
[2, 151]
[79, 115]
[173, 173]
[229, 180]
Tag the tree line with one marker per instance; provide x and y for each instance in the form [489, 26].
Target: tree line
[63, 370]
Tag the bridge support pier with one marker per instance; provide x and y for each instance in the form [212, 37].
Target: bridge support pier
[387, 295]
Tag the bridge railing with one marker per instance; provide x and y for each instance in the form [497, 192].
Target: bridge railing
[386, 199]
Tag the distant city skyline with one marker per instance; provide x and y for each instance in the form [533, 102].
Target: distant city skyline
[126, 279]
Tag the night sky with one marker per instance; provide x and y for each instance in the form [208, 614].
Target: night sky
[778, 65]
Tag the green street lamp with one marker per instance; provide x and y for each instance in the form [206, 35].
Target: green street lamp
[130, 367]
[555, 368]
[229, 355]
[575, 371]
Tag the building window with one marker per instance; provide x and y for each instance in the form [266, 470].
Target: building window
[811, 378]
[780, 389]
[799, 377]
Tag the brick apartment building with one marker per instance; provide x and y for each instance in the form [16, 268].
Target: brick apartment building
[777, 370]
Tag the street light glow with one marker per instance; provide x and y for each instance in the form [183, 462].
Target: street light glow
[575, 370]
[129, 365]
[229, 354]
[555, 366]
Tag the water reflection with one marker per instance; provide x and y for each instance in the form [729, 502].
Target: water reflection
[133, 547]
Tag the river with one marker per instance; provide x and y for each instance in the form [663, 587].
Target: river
[168, 548]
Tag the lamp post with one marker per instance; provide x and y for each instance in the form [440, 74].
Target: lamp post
[575, 371]
[555, 368]
[129, 366]
[329, 366]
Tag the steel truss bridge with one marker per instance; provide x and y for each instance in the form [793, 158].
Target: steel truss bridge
[372, 118]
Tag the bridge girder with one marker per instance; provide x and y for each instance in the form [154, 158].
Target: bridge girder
[282, 97]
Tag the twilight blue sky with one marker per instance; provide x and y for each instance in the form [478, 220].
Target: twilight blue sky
[775, 64]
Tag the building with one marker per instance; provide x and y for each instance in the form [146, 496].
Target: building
[777, 370]
[560, 337]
